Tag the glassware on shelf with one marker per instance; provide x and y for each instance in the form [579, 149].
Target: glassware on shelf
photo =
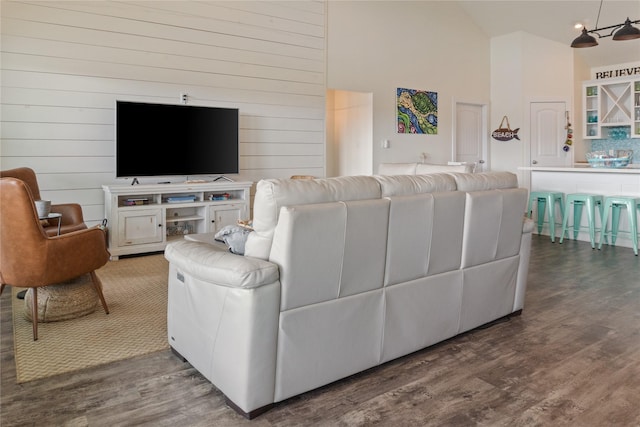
[618, 133]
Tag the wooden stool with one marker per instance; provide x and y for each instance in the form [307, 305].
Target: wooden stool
[580, 200]
[614, 203]
[550, 198]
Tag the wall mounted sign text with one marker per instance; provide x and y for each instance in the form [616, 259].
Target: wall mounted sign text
[505, 133]
[620, 72]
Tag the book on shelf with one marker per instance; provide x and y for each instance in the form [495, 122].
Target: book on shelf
[181, 199]
[135, 201]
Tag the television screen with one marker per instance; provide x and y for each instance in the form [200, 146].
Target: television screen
[166, 139]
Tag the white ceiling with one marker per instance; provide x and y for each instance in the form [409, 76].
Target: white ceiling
[554, 20]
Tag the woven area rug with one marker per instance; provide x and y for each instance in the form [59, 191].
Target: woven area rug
[136, 292]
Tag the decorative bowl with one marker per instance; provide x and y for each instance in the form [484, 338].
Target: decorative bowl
[610, 159]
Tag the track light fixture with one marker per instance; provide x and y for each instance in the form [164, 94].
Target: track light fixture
[625, 31]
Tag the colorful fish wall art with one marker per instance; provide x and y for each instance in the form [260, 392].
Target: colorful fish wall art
[417, 111]
[505, 133]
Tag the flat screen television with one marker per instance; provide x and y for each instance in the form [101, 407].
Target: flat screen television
[168, 139]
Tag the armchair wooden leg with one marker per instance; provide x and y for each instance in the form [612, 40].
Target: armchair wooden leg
[98, 287]
[34, 313]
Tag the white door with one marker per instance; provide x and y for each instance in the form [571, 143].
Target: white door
[548, 134]
[470, 140]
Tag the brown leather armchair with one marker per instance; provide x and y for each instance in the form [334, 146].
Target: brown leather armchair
[29, 258]
[71, 219]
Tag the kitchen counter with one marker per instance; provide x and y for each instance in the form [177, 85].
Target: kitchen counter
[605, 181]
[580, 168]
[585, 179]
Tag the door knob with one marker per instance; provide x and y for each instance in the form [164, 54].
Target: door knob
[535, 162]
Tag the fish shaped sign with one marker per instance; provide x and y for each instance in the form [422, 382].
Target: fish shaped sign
[505, 133]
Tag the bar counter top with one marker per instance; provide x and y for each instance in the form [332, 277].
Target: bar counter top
[632, 169]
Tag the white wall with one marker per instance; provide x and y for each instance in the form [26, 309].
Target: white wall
[63, 65]
[378, 46]
[581, 72]
[525, 68]
[351, 130]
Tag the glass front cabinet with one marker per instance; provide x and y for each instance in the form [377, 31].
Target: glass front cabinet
[610, 106]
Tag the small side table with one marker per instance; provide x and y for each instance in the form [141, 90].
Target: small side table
[54, 215]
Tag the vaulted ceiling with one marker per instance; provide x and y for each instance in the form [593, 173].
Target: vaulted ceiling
[555, 20]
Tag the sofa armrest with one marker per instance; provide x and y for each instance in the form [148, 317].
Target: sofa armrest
[208, 263]
[528, 226]
[222, 316]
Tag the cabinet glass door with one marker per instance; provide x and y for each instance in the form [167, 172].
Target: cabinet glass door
[592, 130]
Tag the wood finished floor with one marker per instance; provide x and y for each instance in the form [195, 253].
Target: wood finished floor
[572, 358]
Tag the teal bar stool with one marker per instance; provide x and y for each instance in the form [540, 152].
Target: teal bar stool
[578, 201]
[548, 199]
[614, 204]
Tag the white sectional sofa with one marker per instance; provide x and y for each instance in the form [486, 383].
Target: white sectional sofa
[344, 274]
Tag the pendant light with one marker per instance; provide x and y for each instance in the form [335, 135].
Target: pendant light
[584, 40]
[627, 32]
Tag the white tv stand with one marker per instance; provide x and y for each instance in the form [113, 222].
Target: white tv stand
[144, 218]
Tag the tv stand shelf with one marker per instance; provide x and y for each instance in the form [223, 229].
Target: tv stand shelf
[144, 218]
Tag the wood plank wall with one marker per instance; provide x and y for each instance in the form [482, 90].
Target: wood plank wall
[63, 64]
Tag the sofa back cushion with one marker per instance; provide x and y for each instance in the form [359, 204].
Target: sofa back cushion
[272, 194]
[330, 250]
[405, 185]
[424, 168]
[485, 180]
[493, 225]
[425, 235]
